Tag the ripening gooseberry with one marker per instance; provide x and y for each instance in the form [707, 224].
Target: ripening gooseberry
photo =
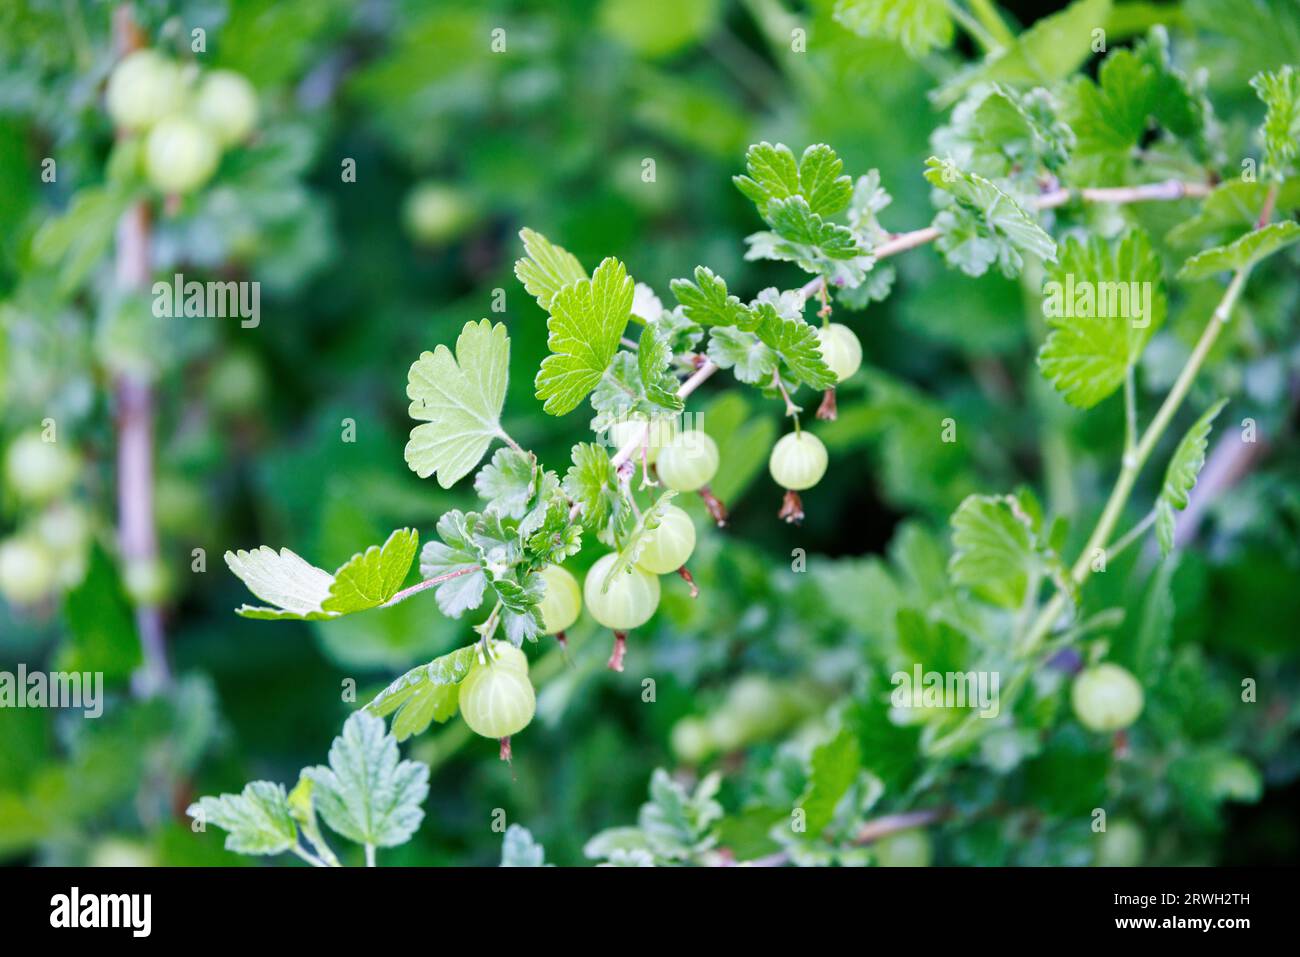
[38, 471]
[147, 581]
[506, 655]
[798, 461]
[436, 213]
[180, 155]
[1120, 845]
[667, 546]
[27, 571]
[496, 698]
[689, 461]
[841, 350]
[227, 105]
[562, 600]
[629, 602]
[691, 740]
[910, 848]
[658, 433]
[142, 89]
[1106, 698]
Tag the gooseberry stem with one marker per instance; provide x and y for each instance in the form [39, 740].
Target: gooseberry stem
[828, 410]
[686, 577]
[1133, 462]
[717, 510]
[619, 652]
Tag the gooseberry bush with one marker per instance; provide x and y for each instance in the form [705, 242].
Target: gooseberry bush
[1146, 230]
[1031, 180]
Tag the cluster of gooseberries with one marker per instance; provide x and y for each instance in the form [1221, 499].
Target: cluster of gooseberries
[185, 119]
[49, 551]
[496, 697]
[498, 700]
[798, 460]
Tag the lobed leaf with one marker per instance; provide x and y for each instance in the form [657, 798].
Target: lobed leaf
[546, 268]
[258, 820]
[367, 794]
[1180, 476]
[1116, 293]
[587, 320]
[1242, 253]
[459, 399]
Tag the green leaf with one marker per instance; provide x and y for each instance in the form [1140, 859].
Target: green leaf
[796, 223]
[919, 25]
[1050, 50]
[257, 819]
[546, 268]
[299, 590]
[631, 540]
[587, 320]
[818, 179]
[296, 588]
[518, 849]
[707, 302]
[796, 345]
[456, 552]
[509, 482]
[750, 359]
[654, 355]
[1102, 301]
[1180, 477]
[834, 768]
[998, 216]
[994, 549]
[1231, 210]
[678, 824]
[1244, 252]
[303, 810]
[1134, 87]
[592, 483]
[459, 399]
[367, 794]
[375, 575]
[1280, 91]
[424, 694]
[101, 626]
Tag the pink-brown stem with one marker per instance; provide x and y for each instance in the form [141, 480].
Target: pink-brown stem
[828, 410]
[686, 577]
[619, 652]
[717, 510]
[791, 508]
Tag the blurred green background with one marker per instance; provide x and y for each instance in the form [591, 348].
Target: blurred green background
[455, 148]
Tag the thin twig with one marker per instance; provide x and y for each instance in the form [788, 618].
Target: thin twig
[415, 589]
[137, 532]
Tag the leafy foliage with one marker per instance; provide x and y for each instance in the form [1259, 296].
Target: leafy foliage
[367, 794]
[300, 590]
[919, 25]
[459, 399]
[982, 225]
[1280, 91]
[587, 319]
[1242, 253]
[1180, 476]
[1105, 302]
